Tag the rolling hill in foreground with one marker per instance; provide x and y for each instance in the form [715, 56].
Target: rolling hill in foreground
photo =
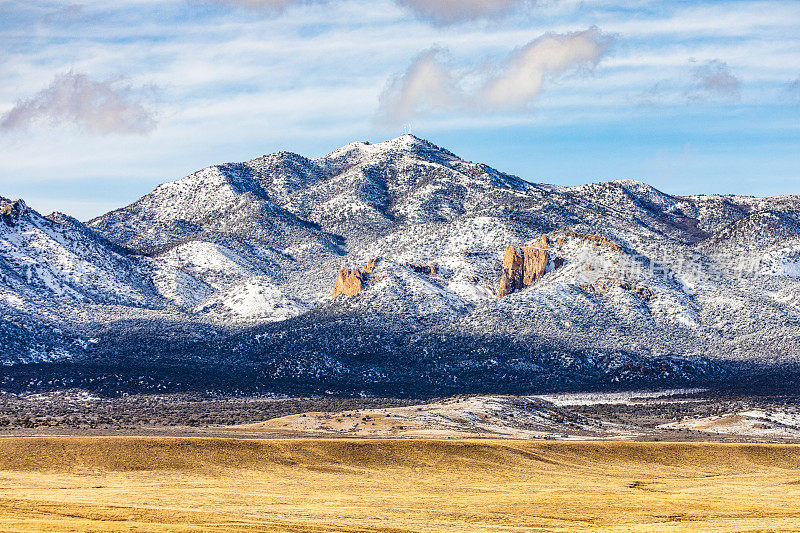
[161, 484]
[398, 268]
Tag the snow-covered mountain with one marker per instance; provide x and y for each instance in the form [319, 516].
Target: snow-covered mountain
[602, 283]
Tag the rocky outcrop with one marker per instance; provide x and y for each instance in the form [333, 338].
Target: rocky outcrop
[513, 271]
[351, 282]
[421, 268]
[644, 293]
[522, 268]
[598, 240]
[348, 282]
[536, 259]
[604, 286]
[10, 212]
[505, 285]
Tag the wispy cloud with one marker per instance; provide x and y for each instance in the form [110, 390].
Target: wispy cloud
[714, 79]
[100, 107]
[431, 85]
[427, 86]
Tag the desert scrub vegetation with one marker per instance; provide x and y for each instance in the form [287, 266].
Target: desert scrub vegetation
[77, 409]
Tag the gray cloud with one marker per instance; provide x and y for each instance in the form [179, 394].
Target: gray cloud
[430, 85]
[64, 14]
[714, 78]
[450, 11]
[711, 80]
[273, 5]
[101, 107]
[437, 11]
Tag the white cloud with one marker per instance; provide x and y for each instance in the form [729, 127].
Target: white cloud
[430, 85]
[101, 107]
[524, 72]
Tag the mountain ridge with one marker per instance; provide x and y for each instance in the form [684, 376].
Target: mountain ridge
[236, 264]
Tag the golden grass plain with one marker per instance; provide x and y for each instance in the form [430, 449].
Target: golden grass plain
[189, 484]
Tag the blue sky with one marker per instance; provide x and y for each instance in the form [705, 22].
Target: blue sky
[101, 101]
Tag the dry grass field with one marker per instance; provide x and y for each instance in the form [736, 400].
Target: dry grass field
[181, 484]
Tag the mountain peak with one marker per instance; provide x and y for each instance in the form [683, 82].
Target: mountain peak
[404, 145]
[409, 139]
[414, 143]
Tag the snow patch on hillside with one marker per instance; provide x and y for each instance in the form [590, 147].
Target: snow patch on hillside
[184, 290]
[253, 299]
[214, 263]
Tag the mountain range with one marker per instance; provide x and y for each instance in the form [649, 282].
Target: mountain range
[400, 268]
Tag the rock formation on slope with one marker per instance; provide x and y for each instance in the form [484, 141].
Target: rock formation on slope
[422, 268]
[524, 267]
[513, 268]
[10, 211]
[598, 240]
[350, 282]
[535, 263]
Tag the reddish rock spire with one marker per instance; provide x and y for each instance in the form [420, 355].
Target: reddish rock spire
[513, 267]
[524, 267]
[350, 282]
[536, 259]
